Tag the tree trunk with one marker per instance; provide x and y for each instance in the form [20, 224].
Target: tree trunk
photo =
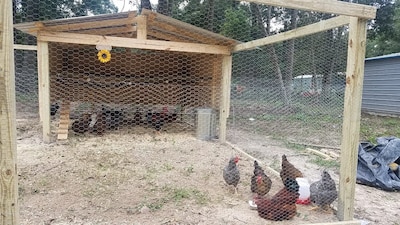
[329, 64]
[210, 15]
[145, 4]
[164, 7]
[271, 50]
[290, 53]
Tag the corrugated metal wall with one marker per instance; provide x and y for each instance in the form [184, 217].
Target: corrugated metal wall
[381, 92]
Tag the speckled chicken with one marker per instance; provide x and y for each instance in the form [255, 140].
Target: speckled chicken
[289, 170]
[323, 192]
[282, 206]
[231, 173]
[260, 182]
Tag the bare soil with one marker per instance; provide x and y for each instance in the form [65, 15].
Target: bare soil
[137, 177]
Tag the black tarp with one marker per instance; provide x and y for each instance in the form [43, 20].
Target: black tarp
[373, 163]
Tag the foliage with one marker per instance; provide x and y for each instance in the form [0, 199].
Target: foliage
[235, 19]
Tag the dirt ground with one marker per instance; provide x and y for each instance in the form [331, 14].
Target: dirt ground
[136, 177]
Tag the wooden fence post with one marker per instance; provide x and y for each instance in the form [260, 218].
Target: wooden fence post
[8, 168]
[351, 117]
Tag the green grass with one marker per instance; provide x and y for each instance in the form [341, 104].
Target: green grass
[373, 126]
[324, 163]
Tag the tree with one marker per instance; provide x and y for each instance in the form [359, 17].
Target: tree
[270, 49]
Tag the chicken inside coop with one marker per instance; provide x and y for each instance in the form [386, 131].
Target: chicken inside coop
[106, 119]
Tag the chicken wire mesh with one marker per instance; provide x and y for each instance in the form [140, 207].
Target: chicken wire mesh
[291, 91]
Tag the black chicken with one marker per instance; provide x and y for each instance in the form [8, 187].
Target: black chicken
[81, 125]
[54, 108]
[323, 192]
[157, 121]
[137, 119]
[231, 173]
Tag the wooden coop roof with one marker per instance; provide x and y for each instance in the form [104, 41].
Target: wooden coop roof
[149, 30]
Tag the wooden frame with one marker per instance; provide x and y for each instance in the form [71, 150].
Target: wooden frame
[324, 6]
[355, 67]
[351, 117]
[89, 39]
[296, 33]
[8, 150]
[44, 88]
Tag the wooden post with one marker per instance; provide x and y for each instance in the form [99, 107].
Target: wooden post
[351, 117]
[8, 150]
[141, 27]
[225, 96]
[44, 88]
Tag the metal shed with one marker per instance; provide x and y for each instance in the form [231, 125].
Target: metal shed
[381, 85]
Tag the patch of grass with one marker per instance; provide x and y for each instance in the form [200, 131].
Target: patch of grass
[276, 163]
[201, 197]
[157, 204]
[188, 170]
[324, 163]
[180, 193]
[168, 167]
[294, 146]
[373, 126]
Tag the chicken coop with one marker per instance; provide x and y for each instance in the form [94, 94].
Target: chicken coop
[157, 62]
[116, 73]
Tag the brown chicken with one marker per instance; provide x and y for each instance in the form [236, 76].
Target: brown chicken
[260, 182]
[282, 206]
[288, 170]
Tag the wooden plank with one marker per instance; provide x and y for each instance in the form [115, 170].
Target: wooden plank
[108, 31]
[141, 27]
[296, 33]
[25, 47]
[8, 150]
[224, 104]
[44, 88]
[324, 6]
[271, 170]
[351, 117]
[177, 31]
[88, 39]
[349, 222]
[179, 27]
[168, 37]
[85, 25]
[64, 121]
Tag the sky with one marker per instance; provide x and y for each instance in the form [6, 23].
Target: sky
[128, 7]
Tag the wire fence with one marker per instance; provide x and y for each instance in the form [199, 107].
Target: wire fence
[163, 70]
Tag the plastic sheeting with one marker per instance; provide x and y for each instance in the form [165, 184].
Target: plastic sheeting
[373, 163]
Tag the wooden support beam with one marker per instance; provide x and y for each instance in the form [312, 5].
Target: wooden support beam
[87, 39]
[25, 47]
[225, 96]
[351, 117]
[350, 222]
[141, 27]
[324, 6]
[296, 33]
[44, 88]
[8, 150]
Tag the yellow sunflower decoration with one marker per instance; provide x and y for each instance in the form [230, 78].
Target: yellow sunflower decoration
[104, 55]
